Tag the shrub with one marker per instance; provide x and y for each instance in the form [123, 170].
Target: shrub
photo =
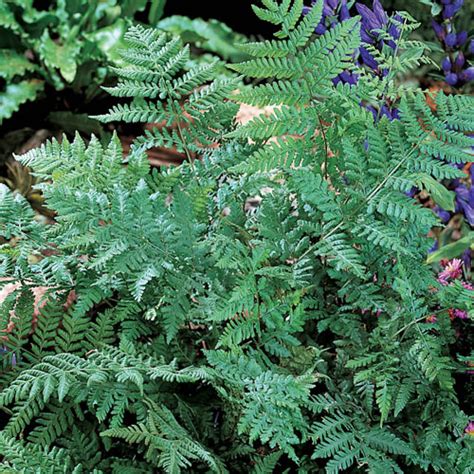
[265, 306]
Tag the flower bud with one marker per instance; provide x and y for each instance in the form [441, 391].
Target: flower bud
[439, 30]
[320, 29]
[446, 64]
[468, 74]
[451, 40]
[344, 13]
[460, 61]
[448, 12]
[452, 78]
[368, 59]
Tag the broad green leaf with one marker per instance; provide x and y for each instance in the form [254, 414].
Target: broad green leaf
[156, 11]
[60, 56]
[17, 94]
[7, 19]
[13, 64]
[452, 250]
[109, 39]
[210, 35]
[441, 196]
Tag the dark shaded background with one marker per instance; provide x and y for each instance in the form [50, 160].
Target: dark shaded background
[237, 14]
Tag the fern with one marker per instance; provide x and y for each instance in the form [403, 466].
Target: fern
[262, 308]
[154, 75]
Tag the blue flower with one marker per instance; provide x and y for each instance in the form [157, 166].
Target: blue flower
[468, 74]
[451, 8]
[452, 41]
[465, 202]
[446, 64]
[444, 215]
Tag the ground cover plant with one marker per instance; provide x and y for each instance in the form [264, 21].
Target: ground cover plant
[267, 305]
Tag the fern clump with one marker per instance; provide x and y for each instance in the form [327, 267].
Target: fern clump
[265, 306]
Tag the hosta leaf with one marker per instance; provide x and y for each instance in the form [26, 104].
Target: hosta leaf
[60, 56]
[109, 39]
[13, 64]
[17, 94]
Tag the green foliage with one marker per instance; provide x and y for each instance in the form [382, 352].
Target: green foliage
[211, 36]
[154, 74]
[260, 308]
[64, 46]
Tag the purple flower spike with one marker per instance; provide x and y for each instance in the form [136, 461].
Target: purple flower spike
[458, 4]
[466, 258]
[471, 47]
[348, 77]
[394, 29]
[370, 20]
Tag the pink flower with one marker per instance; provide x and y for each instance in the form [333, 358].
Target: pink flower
[431, 318]
[452, 271]
[457, 313]
[467, 285]
[470, 428]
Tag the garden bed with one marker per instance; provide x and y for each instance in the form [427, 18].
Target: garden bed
[236, 248]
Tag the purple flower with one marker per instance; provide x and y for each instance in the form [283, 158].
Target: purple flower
[439, 30]
[442, 214]
[368, 59]
[446, 64]
[346, 77]
[452, 79]
[468, 74]
[344, 12]
[330, 10]
[466, 258]
[458, 314]
[372, 20]
[460, 60]
[451, 40]
[450, 9]
[465, 202]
